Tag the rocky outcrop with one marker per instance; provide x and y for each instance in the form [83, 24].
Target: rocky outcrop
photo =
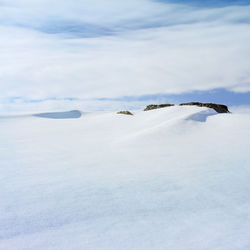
[153, 106]
[126, 112]
[219, 108]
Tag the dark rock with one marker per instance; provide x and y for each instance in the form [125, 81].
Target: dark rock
[125, 112]
[219, 108]
[153, 106]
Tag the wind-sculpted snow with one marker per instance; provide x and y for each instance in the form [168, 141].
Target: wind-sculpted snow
[155, 180]
[61, 115]
[202, 115]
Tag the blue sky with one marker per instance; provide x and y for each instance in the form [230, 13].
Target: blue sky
[209, 3]
[215, 95]
[132, 52]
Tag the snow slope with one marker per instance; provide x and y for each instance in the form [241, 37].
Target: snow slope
[172, 178]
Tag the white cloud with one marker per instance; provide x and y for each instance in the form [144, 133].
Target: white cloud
[210, 51]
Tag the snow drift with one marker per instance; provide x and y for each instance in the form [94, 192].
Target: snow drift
[61, 115]
[172, 178]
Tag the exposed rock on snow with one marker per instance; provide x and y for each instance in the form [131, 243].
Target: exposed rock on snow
[153, 106]
[219, 108]
[125, 112]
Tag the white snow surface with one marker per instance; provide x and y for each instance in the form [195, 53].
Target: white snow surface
[176, 178]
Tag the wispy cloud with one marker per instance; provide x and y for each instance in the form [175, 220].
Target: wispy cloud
[94, 49]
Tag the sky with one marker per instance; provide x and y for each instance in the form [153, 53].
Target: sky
[105, 55]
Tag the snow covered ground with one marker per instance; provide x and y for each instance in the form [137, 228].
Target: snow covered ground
[173, 178]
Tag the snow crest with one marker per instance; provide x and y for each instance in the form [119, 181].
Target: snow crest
[61, 115]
